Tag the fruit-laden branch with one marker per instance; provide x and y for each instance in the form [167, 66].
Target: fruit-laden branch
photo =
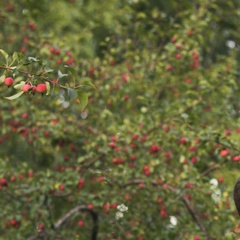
[67, 216]
[186, 202]
[32, 74]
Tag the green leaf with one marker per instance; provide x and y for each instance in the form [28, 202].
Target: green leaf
[88, 83]
[17, 95]
[2, 78]
[72, 94]
[48, 70]
[15, 56]
[72, 70]
[32, 59]
[83, 99]
[56, 88]
[4, 54]
[19, 86]
[48, 87]
[60, 75]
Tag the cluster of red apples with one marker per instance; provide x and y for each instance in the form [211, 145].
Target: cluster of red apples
[41, 88]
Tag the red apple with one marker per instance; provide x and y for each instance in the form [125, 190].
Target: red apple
[3, 182]
[61, 187]
[8, 81]
[80, 223]
[26, 87]
[221, 179]
[41, 88]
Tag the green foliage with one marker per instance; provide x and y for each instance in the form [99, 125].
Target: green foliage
[141, 108]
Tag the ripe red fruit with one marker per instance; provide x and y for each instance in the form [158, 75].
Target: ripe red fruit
[169, 68]
[21, 176]
[163, 214]
[221, 179]
[189, 185]
[111, 145]
[61, 188]
[26, 87]
[194, 160]
[224, 152]
[14, 223]
[236, 158]
[178, 56]
[183, 140]
[133, 157]
[134, 137]
[24, 115]
[10, 8]
[80, 223]
[70, 61]
[154, 149]
[101, 179]
[3, 182]
[8, 81]
[90, 206]
[32, 26]
[196, 238]
[113, 205]
[41, 88]
[40, 227]
[146, 168]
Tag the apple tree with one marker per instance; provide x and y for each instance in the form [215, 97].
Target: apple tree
[119, 120]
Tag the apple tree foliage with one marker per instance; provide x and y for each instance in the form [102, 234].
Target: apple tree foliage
[136, 135]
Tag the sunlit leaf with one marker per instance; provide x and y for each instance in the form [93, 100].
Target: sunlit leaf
[17, 95]
[19, 85]
[83, 99]
[60, 74]
[2, 78]
[5, 55]
[88, 83]
[48, 87]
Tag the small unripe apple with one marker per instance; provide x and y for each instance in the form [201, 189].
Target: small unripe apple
[26, 87]
[8, 81]
[41, 88]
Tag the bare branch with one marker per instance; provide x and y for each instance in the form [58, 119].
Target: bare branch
[195, 216]
[68, 215]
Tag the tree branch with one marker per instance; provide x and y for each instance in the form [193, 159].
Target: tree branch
[68, 215]
[195, 216]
